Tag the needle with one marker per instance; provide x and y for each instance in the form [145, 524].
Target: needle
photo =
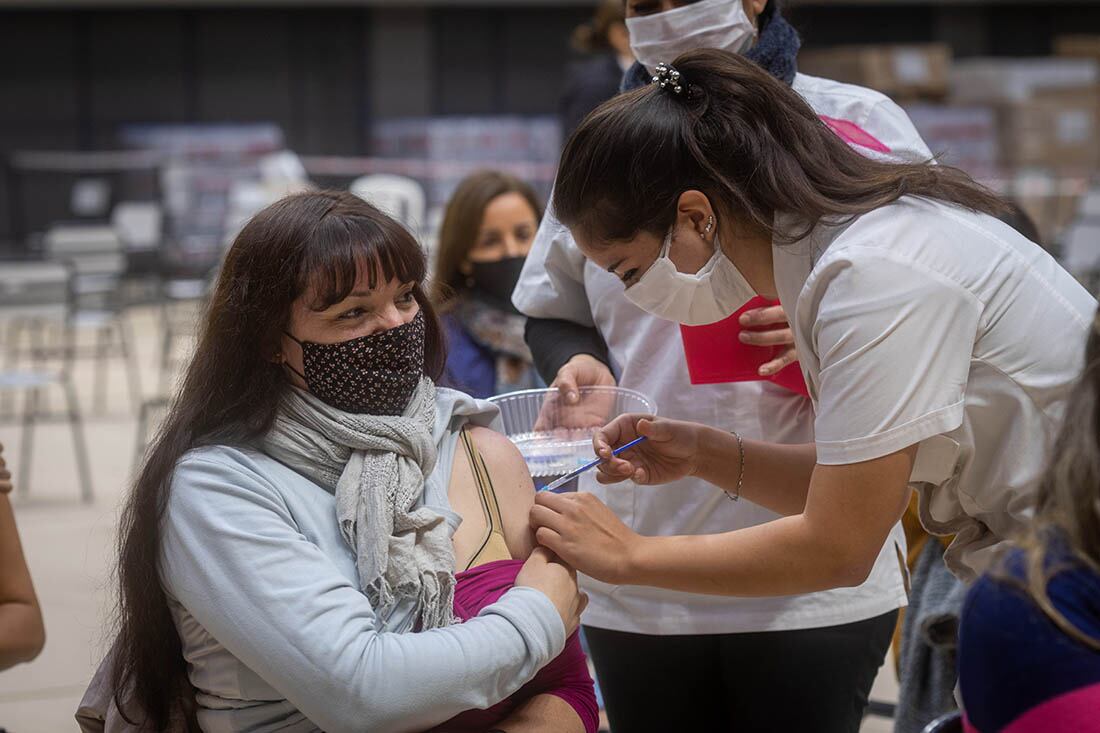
[556, 484]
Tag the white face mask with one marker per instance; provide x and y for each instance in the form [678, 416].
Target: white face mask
[661, 37]
[714, 293]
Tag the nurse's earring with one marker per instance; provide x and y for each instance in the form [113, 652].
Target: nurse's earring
[708, 227]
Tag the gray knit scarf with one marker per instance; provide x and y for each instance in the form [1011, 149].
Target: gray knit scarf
[378, 465]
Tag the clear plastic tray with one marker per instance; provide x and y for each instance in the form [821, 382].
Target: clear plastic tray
[556, 438]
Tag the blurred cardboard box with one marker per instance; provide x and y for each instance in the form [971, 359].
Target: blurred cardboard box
[1056, 129]
[904, 71]
[1003, 81]
[1048, 109]
[1080, 47]
[1051, 200]
[965, 137]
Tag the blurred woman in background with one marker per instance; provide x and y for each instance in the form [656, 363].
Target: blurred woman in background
[595, 79]
[487, 232]
[1029, 644]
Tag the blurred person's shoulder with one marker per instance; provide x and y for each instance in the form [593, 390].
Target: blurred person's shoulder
[866, 119]
[829, 92]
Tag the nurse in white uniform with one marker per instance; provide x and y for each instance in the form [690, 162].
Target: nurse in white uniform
[715, 659]
[938, 344]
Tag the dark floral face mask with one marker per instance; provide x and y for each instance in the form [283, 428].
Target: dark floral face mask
[369, 375]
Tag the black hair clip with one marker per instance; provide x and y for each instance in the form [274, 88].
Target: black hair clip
[668, 78]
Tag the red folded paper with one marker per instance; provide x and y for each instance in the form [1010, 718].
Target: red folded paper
[715, 354]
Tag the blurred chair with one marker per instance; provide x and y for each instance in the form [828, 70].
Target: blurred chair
[139, 226]
[181, 300]
[34, 296]
[400, 197]
[97, 262]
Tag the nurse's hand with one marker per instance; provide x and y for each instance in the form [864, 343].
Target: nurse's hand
[567, 409]
[670, 452]
[583, 532]
[583, 370]
[782, 336]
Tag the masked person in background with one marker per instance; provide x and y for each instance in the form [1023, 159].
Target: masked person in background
[487, 232]
[800, 662]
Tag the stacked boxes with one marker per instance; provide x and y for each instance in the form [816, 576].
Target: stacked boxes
[1028, 127]
[1047, 108]
[903, 72]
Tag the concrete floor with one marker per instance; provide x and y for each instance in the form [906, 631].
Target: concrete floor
[70, 548]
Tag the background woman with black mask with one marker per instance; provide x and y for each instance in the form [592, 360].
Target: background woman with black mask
[487, 232]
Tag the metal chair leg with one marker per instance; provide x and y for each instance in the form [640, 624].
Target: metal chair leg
[100, 388]
[11, 357]
[133, 368]
[83, 467]
[39, 355]
[141, 436]
[30, 415]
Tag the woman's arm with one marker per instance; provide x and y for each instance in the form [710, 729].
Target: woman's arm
[22, 634]
[512, 484]
[234, 557]
[547, 712]
[542, 714]
[849, 511]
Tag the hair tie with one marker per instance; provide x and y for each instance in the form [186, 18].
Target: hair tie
[668, 78]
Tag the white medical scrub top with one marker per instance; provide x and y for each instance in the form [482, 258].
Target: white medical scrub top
[923, 323]
[647, 354]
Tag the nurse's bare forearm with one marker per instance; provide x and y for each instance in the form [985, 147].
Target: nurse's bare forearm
[777, 477]
[849, 513]
[779, 558]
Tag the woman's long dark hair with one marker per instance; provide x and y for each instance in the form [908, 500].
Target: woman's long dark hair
[1067, 515]
[746, 140]
[229, 395]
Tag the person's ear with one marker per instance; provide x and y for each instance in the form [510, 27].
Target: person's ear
[693, 210]
[754, 8]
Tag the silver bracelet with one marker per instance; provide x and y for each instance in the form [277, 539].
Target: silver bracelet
[736, 495]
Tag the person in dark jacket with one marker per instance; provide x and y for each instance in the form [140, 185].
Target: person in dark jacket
[605, 43]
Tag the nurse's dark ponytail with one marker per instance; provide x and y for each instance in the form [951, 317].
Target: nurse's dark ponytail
[747, 140]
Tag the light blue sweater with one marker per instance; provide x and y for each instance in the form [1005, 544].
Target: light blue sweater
[276, 632]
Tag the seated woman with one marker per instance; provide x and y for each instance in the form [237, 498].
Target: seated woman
[1029, 642]
[486, 234]
[310, 499]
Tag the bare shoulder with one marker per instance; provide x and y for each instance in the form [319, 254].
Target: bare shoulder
[512, 484]
[498, 451]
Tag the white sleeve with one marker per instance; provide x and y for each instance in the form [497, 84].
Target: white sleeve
[552, 282]
[890, 125]
[234, 558]
[892, 345]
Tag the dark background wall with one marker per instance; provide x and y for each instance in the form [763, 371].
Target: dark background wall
[70, 77]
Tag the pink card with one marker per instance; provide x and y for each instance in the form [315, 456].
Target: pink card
[715, 354]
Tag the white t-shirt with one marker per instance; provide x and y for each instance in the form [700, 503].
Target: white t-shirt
[647, 354]
[925, 323]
